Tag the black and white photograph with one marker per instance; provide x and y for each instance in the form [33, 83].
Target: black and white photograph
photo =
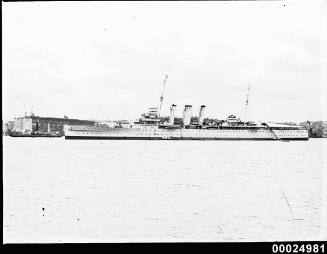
[164, 122]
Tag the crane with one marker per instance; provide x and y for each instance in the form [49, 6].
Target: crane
[162, 94]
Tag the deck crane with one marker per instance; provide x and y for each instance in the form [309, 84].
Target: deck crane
[162, 94]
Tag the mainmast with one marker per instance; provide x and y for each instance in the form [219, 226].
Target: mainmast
[162, 94]
[247, 103]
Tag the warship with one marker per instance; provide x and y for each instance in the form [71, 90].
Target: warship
[152, 127]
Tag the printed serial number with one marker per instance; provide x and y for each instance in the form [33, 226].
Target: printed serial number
[295, 248]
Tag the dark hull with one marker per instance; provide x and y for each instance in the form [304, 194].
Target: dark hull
[290, 139]
[32, 136]
[158, 138]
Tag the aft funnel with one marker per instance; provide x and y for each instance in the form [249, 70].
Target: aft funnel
[201, 114]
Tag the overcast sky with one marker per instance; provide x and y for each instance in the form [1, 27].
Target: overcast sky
[107, 60]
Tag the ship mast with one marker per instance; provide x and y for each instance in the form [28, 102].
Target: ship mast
[247, 103]
[162, 94]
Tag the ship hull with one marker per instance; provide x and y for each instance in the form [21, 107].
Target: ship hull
[156, 138]
[100, 137]
[155, 133]
[150, 138]
[203, 139]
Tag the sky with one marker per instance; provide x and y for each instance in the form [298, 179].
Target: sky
[108, 60]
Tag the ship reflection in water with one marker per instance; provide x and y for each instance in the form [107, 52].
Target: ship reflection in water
[161, 191]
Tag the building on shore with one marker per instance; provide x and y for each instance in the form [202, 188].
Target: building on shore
[7, 127]
[30, 124]
[317, 129]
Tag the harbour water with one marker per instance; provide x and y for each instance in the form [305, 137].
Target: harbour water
[58, 190]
